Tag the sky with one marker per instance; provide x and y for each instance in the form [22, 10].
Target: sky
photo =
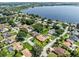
[39, 0]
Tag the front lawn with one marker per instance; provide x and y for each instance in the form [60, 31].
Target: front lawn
[27, 45]
[41, 44]
[52, 55]
[37, 42]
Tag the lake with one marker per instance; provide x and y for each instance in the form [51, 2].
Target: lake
[63, 13]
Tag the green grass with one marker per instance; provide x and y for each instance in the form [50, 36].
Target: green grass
[77, 49]
[4, 52]
[41, 44]
[77, 43]
[27, 45]
[1, 38]
[52, 55]
[38, 42]
[45, 31]
[18, 54]
[67, 53]
[66, 36]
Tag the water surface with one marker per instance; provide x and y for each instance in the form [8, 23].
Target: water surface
[62, 13]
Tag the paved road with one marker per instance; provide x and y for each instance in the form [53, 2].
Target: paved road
[52, 42]
[23, 42]
[29, 41]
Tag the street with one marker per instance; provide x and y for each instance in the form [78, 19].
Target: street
[52, 43]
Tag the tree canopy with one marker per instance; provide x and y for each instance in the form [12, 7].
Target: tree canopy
[21, 35]
[38, 27]
[36, 51]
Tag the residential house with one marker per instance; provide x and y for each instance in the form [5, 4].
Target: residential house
[4, 27]
[42, 37]
[6, 34]
[68, 43]
[77, 36]
[10, 39]
[75, 32]
[17, 46]
[28, 28]
[59, 50]
[74, 38]
[26, 53]
[34, 33]
[10, 48]
[52, 31]
[19, 25]
[68, 40]
[44, 23]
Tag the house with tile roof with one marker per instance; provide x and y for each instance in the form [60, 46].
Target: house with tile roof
[59, 50]
[34, 33]
[17, 46]
[26, 53]
[68, 43]
[41, 37]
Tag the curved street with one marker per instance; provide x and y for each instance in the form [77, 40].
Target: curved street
[43, 53]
